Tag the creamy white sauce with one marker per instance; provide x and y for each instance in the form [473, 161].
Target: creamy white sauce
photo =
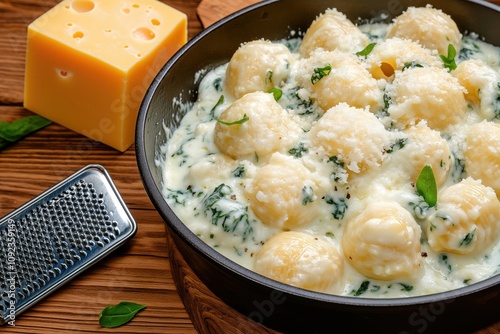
[194, 167]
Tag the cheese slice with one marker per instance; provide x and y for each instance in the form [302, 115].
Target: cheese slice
[90, 62]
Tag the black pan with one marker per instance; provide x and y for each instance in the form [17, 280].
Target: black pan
[279, 306]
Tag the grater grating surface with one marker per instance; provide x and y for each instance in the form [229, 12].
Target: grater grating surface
[57, 235]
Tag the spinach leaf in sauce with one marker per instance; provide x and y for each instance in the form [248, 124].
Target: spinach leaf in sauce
[385, 110]
[496, 103]
[298, 150]
[339, 205]
[308, 195]
[443, 260]
[362, 289]
[214, 108]
[339, 173]
[224, 210]
[469, 49]
[296, 104]
[419, 208]
[181, 152]
[238, 171]
[458, 171]
[469, 237]
[181, 196]
[334, 159]
[397, 145]
[406, 287]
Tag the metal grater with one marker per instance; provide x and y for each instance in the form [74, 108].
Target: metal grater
[57, 235]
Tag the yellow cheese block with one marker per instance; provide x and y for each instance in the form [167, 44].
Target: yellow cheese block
[90, 62]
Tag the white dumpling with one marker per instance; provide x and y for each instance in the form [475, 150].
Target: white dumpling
[343, 79]
[383, 242]
[283, 193]
[429, 26]
[212, 170]
[481, 82]
[394, 54]
[467, 220]
[257, 66]
[354, 136]
[268, 128]
[482, 154]
[426, 147]
[301, 260]
[332, 30]
[426, 93]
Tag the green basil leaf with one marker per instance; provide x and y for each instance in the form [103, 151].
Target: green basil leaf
[319, 73]
[426, 185]
[277, 93]
[366, 51]
[119, 314]
[219, 102]
[449, 60]
[240, 121]
[12, 132]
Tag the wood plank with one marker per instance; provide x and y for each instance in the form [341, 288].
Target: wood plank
[210, 11]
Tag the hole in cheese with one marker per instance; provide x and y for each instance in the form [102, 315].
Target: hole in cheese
[125, 10]
[82, 6]
[78, 35]
[63, 73]
[155, 22]
[143, 34]
[135, 5]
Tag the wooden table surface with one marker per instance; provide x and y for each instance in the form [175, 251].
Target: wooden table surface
[140, 271]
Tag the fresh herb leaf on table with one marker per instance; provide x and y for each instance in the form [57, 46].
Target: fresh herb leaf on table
[20, 128]
[119, 314]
